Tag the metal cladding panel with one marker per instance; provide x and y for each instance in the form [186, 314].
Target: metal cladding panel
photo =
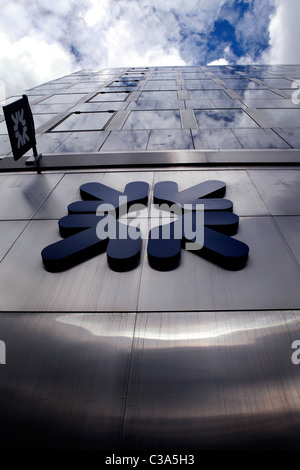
[280, 190]
[239, 187]
[68, 191]
[213, 380]
[10, 231]
[26, 285]
[22, 195]
[165, 381]
[290, 229]
[64, 384]
[270, 279]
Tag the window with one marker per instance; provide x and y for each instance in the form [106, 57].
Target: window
[83, 122]
[283, 117]
[240, 84]
[202, 85]
[158, 95]
[108, 96]
[63, 98]
[257, 94]
[259, 139]
[223, 118]
[153, 120]
[215, 138]
[208, 94]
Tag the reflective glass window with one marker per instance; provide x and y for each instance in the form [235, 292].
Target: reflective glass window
[228, 104]
[107, 96]
[208, 94]
[202, 85]
[157, 85]
[107, 106]
[51, 108]
[161, 83]
[153, 120]
[288, 92]
[194, 75]
[283, 103]
[88, 107]
[85, 88]
[99, 106]
[40, 119]
[223, 118]
[48, 143]
[215, 139]
[133, 75]
[259, 139]
[120, 83]
[142, 105]
[201, 104]
[257, 94]
[170, 139]
[259, 103]
[52, 87]
[283, 117]
[290, 135]
[63, 98]
[240, 84]
[82, 142]
[277, 82]
[126, 140]
[163, 76]
[158, 95]
[175, 104]
[83, 122]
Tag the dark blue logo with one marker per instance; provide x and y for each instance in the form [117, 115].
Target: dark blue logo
[198, 219]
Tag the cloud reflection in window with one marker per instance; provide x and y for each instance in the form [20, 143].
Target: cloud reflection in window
[223, 118]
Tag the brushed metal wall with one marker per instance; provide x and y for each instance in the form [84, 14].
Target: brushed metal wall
[168, 381]
[194, 359]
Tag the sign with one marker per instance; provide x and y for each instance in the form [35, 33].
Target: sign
[96, 224]
[20, 126]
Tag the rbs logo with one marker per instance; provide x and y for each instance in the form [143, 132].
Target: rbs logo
[196, 219]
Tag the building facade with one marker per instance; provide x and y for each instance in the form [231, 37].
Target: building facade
[188, 357]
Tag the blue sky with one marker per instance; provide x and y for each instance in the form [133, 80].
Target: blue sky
[42, 40]
[237, 32]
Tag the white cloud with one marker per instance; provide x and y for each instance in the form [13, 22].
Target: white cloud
[28, 62]
[284, 34]
[43, 40]
[96, 13]
[221, 61]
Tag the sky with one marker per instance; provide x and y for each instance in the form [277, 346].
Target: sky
[42, 40]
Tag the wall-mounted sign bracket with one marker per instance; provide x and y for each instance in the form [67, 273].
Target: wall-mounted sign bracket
[35, 160]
